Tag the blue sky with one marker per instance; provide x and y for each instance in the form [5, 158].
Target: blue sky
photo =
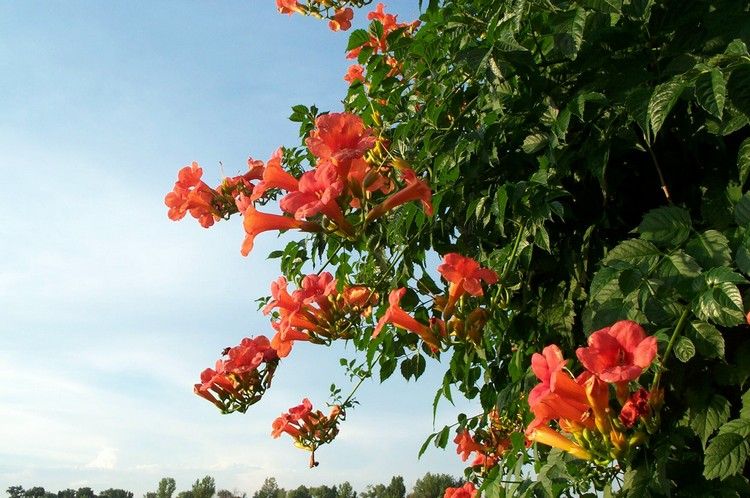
[110, 310]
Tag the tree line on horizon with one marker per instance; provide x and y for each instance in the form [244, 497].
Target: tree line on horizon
[428, 486]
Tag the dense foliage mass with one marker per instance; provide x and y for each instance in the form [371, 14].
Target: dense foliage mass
[580, 168]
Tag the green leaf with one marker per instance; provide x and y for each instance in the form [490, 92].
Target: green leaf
[419, 365]
[721, 304]
[742, 210]
[745, 413]
[684, 350]
[663, 100]
[407, 368]
[636, 482]
[738, 88]
[739, 426]
[711, 92]
[710, 249]
[635, 252]
[426, 443]
[708, 417]
[358, 38]
[442, 439]
[387, 367]
[707, 339]
[722, 274]
[737, 48]
[668, 225]
[743, 161]
[534, 143]
[725, 456]
[606, 6]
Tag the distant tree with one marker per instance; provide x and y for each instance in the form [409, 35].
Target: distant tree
[301, 492]
[204, 488]
[396, 488]
[50, 494]
[15, 491]
[150, 494]
[85, 493]
[167, 486]
[35, 492]
[324, 491]
[345, 490]
[66, 493]
[116, 493]
[185, 494]
[373, 491]
[433, 485]
[270, 489]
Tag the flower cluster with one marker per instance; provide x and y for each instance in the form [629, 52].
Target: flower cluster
[240, 379]
[337, 11]
[616, 356]
[350, 170]
[378, 42]
[465, 276]
[317, 311]
[466, 491]
[488, 444]
[309, 428]
[206, 204]
[342, 179]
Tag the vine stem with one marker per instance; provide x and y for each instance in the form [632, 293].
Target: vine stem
[361, 381]
[513, 252]
[677, 331]
[645, 142]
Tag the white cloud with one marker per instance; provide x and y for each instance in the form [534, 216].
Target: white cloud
[105, 459]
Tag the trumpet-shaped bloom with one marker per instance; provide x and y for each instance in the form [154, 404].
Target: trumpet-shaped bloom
[466, 491]
[465, 277]
[280, 297]
[342, 19]
[415, 190]
[282, 342]
[398, 317]
[318, 191]
[274, 176]
[465, 445]
[356, 72]
[249, 354]
[191, 195]
[618, 353]
[545, 366]
[636, 407]
[288, 6]
[339, 137]
[256, 222]
[549, 437]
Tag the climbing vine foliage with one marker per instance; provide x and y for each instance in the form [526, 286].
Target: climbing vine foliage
[547, 202]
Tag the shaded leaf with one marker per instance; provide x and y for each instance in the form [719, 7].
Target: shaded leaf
[707, 339]
[725, 456]
[742, 210]
[743, 160]
[662, 101]
[710, 249]
[666, 225]
[721, 304]
[708, 417]
[684, 350]
[711, 91]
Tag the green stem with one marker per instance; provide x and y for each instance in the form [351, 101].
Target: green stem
[677, 331]
[361, 380]
[513, 252]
